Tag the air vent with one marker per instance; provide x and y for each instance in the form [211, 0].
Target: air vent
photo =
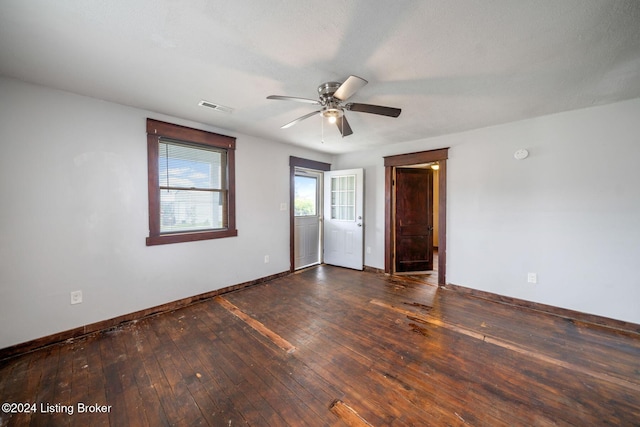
[217, 107]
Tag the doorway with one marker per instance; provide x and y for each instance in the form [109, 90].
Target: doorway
[331, 229]
[303, 171]
[392, 164]
[307, 215]
[413, 219]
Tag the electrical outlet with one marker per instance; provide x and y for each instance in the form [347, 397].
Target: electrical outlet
[266, 259]
[283, 206]
[76, 297]
[368, 249]
[532, 278]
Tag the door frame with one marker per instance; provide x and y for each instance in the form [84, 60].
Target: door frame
[400, 160]
[298, 162]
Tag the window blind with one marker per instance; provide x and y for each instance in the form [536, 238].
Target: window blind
[192, 182]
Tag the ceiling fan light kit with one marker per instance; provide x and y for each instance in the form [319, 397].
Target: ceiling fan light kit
[332, 113]
[331, 98]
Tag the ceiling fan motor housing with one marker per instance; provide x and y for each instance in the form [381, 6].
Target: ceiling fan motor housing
[331, 106]
[326, 90]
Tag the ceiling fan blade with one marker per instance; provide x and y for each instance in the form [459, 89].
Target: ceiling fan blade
[343, 125]
[299, 119]
[293, 98]
[349, 87]
[374, 109]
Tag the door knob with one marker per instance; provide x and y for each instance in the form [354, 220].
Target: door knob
[359, 225]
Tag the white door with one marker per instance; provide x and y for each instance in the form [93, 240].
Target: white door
[307, 212]
[343, 214]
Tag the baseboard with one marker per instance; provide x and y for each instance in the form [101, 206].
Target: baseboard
[104, 325]
[373, 270]
[575, 316]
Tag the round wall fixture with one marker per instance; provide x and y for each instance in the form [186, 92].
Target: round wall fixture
[521, 154]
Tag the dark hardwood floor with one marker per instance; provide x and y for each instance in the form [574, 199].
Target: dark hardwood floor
[428, 277]
[330, 346]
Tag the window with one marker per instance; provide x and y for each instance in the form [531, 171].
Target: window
[306, 198]
[192, 187]
[343, 198]
[191, 184]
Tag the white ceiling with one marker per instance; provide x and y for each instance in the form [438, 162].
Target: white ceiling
[450, 65]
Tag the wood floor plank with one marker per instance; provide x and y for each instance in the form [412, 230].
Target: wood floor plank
[511, 346]
[359, 289]
[300, 379]
[47, 384]
[327, 345]
[96, 380]
[227, 379]
[347, 363]
[259, 327]
[177, 401]
[201, 384]
[15, 393]
[138, 352]
[348, 414]
[306, 405]
[384, 350]
[134, 403]
[551, 333]
[179, 381]
[79, 383]
[358, 345]
[87, 384]
[276, 404]
[112, 361]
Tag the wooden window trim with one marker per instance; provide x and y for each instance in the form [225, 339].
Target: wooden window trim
[157, 129]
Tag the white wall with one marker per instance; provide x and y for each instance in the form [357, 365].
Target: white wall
[73, 216]
[570, 212]
[73, 212]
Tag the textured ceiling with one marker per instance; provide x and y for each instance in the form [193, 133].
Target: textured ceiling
[450, 65]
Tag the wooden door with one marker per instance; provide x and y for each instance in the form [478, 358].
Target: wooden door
[414, 219]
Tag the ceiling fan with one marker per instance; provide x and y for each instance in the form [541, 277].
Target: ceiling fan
[332, 96]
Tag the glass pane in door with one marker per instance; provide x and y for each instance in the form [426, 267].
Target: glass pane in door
[343, 207]
[306, 196]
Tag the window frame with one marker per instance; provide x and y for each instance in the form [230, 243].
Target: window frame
[195, 137]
